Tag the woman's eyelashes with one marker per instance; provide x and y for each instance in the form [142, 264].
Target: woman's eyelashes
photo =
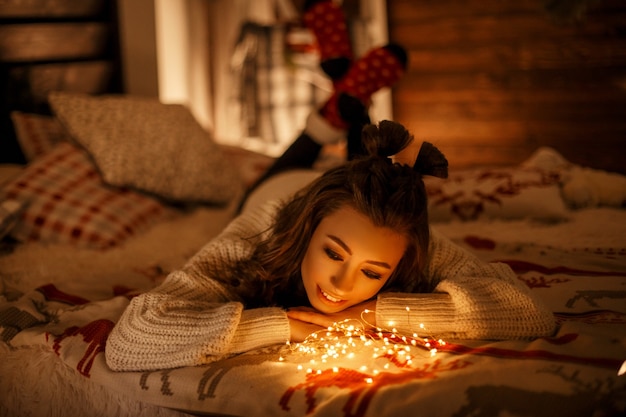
[333, 255]
[371, 274]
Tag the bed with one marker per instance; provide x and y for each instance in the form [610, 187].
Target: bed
[89, 223]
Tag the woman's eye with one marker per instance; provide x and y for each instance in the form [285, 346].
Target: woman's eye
[332, 254]
[371, 274]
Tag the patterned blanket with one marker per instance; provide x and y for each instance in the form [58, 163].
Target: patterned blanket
[579, 371]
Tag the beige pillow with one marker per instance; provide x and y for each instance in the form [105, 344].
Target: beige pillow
[150, 146]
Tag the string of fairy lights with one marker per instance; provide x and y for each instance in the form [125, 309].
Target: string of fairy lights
[376, 348]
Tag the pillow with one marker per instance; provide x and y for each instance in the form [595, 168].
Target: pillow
[505, 193]
[10, 211]
[37, 134]
[144, 144]
[251, 165]
[9, 171]
[587, 187]
[67, 202]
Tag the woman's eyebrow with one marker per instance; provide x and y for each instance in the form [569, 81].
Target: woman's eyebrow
[340, 243]
[381, 264]
[347, 249]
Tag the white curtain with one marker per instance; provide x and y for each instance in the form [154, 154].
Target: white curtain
[259, 98]
[263, 91]
[191, 49]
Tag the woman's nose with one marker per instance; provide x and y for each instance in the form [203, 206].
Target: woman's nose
[343, 280]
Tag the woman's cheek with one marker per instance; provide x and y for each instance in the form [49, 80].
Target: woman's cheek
[371, 287]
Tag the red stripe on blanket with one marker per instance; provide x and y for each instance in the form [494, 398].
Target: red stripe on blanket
[609, 363]
[95, 334]
[591, 317]
[362, 386]
[480, 243]
[52, 293]
[521, 267]
[124, 290]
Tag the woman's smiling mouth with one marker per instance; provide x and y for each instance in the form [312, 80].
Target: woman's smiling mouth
[329, 299]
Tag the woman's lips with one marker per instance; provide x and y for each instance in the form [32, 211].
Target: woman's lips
[329, 299]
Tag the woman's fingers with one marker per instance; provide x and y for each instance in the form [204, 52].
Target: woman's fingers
[310, 316]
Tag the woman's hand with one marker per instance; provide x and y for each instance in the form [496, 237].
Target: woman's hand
[301, 329]
[320, 321]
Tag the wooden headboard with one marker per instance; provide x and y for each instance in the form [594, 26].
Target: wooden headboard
[48, 45]
[489, 81]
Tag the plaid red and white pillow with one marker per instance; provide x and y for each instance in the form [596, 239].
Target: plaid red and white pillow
[67, 202]
[37, 134]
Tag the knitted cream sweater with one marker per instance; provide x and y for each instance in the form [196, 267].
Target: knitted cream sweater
[192, 319]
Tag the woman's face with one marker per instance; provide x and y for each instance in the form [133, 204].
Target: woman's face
[349, 260]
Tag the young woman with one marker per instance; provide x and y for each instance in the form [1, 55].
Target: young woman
[355, 238]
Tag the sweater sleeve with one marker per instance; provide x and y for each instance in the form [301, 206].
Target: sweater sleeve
[193, 319]
[472, 300]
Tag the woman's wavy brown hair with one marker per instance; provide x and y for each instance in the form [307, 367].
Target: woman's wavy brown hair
[390, 194]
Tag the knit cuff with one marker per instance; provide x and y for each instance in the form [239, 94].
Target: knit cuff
[433, 313]
[321, 131]
[260, 327]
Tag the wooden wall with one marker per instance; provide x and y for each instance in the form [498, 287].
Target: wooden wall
[48, 45]
[489, 81]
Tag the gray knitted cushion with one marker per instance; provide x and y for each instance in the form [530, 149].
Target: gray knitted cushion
[150, 146]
